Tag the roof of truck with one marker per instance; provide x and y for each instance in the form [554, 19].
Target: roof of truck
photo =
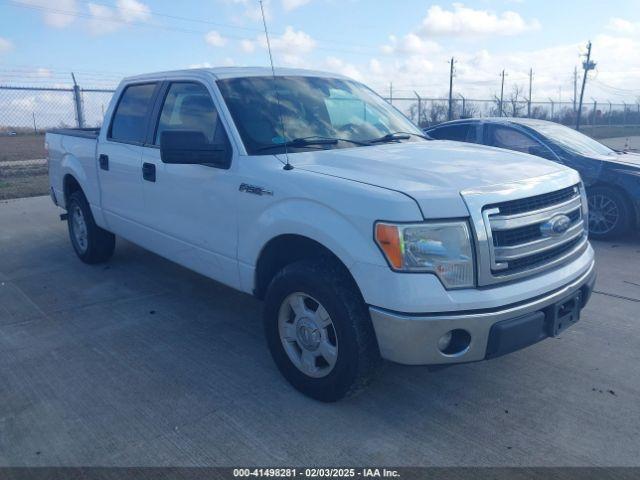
[235, 72]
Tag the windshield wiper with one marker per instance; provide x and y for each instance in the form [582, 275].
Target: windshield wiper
[395, 136]
[311, 142]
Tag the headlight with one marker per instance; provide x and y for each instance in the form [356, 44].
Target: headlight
[443, 248]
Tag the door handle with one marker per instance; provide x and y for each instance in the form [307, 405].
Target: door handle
[149, 172]
[104, 161]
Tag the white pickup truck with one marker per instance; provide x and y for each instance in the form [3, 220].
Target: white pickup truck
[366, 240]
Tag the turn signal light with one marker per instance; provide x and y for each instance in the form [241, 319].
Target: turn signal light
[388, 238]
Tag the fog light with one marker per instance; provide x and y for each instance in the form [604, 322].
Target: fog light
[445, 341]
[454, 342]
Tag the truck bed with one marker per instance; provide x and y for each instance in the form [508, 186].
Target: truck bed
[73, 151]
[77, 132]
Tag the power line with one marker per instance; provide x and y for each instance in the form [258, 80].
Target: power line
[358, 50]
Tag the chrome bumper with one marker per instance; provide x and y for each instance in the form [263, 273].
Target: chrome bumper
[412, 339]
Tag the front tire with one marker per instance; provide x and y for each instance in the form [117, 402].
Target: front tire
[91, 243]
[319, 330]
[609, 213]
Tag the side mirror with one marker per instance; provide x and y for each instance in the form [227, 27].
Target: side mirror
[190, 147]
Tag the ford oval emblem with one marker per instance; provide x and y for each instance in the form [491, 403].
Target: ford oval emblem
[555, 226]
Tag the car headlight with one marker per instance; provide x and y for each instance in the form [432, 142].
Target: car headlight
[442, 248]
[585, 206]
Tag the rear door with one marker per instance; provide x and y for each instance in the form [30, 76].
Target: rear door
[191, 208]
[119, 160]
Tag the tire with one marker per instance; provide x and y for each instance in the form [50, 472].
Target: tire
[609, 213]
[91, 243]
[320, 283]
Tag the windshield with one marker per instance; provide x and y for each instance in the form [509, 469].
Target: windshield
[312, 107]
[572, 140]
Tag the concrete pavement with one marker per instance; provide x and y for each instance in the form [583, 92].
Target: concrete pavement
[141, 362]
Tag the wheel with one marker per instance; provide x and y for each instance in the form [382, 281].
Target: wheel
[91, 243]
[319, 330]
[609, 214]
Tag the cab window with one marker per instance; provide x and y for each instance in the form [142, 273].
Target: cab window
[130, 118]
[188, 106]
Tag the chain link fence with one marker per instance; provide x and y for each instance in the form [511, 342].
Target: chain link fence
[431, 111]
[25, 114]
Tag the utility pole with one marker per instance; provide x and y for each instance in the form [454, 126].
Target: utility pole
[502, 94]
[587, 65]
[77, 101]
[575, 88]
[530, 88]
[452, 63]
[35, 128]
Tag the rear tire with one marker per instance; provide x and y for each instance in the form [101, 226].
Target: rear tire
[91, 243]
[609, 213]
[326, 348]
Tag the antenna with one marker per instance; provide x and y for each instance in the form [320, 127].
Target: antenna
[287, 165]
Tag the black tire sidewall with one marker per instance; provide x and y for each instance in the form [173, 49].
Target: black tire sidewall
[320, 284]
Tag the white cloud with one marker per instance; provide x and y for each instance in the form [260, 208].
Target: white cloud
[133, 11]
[465, 21]
[291, 42]
[56, 19]
[107, 19]
[289, 5]
[621, 26]
[334, 64]
[214, 39]
[247, 46]
[410, 43]
[5, 45]
[292, 47]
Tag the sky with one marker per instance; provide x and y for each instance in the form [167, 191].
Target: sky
[404, 46]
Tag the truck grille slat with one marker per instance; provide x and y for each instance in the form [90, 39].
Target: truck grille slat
[523, 235]
[536, 202]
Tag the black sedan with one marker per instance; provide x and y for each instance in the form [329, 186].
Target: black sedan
[612, 178]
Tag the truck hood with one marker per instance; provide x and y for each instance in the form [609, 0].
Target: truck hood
[433, 173]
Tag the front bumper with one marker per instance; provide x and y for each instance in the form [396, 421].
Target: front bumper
[413, 339]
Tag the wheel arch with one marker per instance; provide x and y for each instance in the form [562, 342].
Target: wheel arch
[285, 249]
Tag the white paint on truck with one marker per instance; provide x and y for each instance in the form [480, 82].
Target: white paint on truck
[222, 218]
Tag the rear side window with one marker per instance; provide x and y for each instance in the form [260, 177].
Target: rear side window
[465, 132]
[130, 118]
[509, 138]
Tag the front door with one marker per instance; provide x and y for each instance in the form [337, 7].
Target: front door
[191, 208]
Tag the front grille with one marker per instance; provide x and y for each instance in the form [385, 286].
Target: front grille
[538, 202]
[523, 234]
[506, 238]
[541, 258]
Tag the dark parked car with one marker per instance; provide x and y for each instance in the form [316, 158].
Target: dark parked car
[612, 178]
